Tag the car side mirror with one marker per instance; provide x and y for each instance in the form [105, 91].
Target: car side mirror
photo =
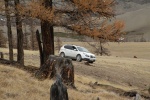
[75, 49]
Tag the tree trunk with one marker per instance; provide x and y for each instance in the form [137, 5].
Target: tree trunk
[20, 52]
[32, 41]
[48, 39]
[40, 47]
[9, 31]
[25, 37]
[54, 66]
[47, 34]
[101, 47]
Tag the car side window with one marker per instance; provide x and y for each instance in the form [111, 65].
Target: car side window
[74, 48]
[68, 47]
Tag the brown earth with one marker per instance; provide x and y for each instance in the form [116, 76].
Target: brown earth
[118, 71]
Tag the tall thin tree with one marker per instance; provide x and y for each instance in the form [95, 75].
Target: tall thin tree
[20, 52]
[47, 33]
[9, 31]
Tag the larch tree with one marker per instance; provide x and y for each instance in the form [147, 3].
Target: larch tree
[9, 31]
[47, 32]
[20, 52]
[5, 10]
[86, 17]
[11, 10]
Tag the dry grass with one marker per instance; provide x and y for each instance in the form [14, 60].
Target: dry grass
[17, 84]
[20, 85]
[114, 71]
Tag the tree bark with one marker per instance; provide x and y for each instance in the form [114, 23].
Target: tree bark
[25, 37]
[20, 52]
[32, 35]
[101, 48]
[54, 66]
[9, 31]
[40, 47]
[47, 34]
[48, 39]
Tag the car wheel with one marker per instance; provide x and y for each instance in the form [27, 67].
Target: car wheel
[62, 54]
[78, 58]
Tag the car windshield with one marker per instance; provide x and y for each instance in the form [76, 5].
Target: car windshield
[82, 49]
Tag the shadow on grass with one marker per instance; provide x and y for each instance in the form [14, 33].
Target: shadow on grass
[29, 68]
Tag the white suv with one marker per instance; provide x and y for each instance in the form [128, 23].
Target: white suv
[76, 52]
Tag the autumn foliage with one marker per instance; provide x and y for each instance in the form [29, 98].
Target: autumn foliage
[107, 32]
[86, 17]
[103, 7]
[36, 10]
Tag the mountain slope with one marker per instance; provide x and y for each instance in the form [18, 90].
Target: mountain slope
[137, 22]
[124, 6]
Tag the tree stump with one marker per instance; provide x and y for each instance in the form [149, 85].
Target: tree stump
[58, 91]
[57, 65]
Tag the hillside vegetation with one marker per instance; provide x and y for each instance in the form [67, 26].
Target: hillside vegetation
[108, 78]
[17, 84]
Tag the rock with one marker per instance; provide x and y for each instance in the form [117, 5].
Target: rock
[134, 56]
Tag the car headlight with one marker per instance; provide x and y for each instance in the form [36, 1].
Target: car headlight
[86, 55]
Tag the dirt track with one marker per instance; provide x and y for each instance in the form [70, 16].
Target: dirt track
[124, 71]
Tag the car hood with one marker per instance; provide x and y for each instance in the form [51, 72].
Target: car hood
[88, 53]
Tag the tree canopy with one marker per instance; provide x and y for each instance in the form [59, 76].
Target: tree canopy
[86, 17]
[93, 18]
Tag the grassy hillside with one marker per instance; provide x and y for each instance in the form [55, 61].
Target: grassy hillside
[18, 84]
[114, 74]
[125, 49]
[137, 23]
[136, 20]
[124, 6]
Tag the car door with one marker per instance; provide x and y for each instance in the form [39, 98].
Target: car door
[67, 50]
[74, 52]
